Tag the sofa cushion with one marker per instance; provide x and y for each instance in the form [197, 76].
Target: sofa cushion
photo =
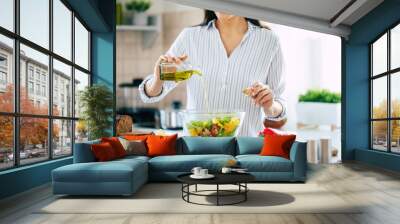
[83, 152]
[116, 145]
[278, 145]
[134, 147]
[161, 145]
[113, 171]
[103, 152]
[185, 163]
[249, 145]
[207, 145]
[257, 163]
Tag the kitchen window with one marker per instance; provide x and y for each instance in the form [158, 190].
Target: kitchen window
[384, 91]
[40, 49]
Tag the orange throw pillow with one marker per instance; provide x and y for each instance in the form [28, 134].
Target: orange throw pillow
[161, 145]
[136, 137]
[103, 152]
[116, 145]
[278, 145]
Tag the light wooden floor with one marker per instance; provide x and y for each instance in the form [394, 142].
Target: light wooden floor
[377, 188]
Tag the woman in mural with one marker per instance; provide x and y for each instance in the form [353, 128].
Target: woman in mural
[233, 53]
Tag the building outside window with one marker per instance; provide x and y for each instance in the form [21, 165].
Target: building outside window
[3, 71]
[30, 72]
[57, 127]
[30, 87]
[44, 77]
[44, 91]
[3, 78]
[37, 75]
[385, 94]
[38, 89]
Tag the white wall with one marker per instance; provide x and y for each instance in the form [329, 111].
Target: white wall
[312, 60]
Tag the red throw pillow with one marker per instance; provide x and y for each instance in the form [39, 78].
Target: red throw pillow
[278, 145]
[103, 152]
[116, 145]
[268, 131]
[161, 145]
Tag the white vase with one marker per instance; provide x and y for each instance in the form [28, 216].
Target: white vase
[140, 19]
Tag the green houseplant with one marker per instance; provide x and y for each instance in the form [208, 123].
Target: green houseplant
[96, 102]
[139, 7]
[322, 96]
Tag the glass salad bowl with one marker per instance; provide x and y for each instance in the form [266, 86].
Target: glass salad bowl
[212, 124]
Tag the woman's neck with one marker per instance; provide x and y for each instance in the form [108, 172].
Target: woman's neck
[232, 25]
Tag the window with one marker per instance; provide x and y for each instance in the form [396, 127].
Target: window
[7, 14]
[3, 78]
[44, 91]
[38, 89]
[30, 72]
[34, 21]
[3, 72]
[62, 137]
[30, 87]
[385, 94]
[38, 74]
[81, 45]
[62, 74]
[81, 81]
[6, 73]
[62, 29]
[6, 142]
[47, 74]
[3, 61]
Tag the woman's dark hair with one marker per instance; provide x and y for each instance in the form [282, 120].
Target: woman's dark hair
[210, 15]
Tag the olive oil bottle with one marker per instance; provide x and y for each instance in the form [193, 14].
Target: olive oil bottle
[177, 73]
[179, 76]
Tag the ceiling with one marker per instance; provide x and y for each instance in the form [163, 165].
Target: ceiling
[322, 9]
[326, 16]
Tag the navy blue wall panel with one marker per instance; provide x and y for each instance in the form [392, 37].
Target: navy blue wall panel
[356, 83]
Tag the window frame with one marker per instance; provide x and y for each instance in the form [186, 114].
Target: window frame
[388, 74]
[16, 114]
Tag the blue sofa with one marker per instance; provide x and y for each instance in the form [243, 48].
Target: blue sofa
[125, 176]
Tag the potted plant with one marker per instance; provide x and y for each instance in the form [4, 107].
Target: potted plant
[139, 8]
[96, 102]
[319, 107]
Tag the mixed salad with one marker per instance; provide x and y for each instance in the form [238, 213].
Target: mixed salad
[216, 127]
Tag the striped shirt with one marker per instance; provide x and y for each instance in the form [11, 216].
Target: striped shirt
[257, 58]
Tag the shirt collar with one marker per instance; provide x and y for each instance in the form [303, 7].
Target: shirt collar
[250, 26]
[211, 24]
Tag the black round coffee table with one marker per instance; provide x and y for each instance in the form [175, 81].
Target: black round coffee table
[238, 179]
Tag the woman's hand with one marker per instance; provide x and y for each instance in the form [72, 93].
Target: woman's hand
[154, 87]
[264, 97]
[168, 59]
